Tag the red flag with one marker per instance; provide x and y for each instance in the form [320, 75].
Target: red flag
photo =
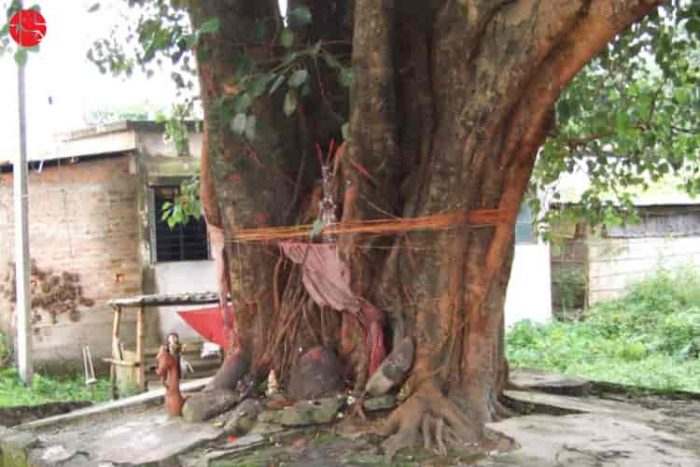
[208, 323]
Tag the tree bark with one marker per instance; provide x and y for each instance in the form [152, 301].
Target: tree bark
[450, 104]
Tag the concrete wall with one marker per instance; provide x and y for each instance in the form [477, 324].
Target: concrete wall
[178, 277]
[152, 143]
[82, 219]
[529, 290]
[616, 262]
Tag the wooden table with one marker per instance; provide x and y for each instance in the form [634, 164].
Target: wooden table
[141, 303]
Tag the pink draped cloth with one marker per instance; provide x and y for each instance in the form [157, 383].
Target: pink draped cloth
[327, 280]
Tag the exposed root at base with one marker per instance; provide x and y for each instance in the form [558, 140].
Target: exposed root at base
[499, 411]
[431, 418]
[358, 410]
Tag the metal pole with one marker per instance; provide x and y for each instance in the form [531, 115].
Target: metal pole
[22, 262]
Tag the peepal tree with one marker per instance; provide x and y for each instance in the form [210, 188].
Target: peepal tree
[449, 104]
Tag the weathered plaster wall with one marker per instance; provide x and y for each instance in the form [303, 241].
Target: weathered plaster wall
[529, 293]
[179, 277]
[616, 262]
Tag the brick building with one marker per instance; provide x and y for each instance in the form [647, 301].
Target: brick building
[94, 223]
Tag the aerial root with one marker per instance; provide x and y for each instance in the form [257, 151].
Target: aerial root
[430, 417]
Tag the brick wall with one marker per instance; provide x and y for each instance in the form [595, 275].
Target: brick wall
[83, 219]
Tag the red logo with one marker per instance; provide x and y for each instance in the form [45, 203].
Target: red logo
[27, 28]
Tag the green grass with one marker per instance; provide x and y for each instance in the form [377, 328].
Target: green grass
[650, 338]
[45, 389]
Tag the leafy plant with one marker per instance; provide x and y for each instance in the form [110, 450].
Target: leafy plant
[5, 350]
[629, 120]
[571, 283]
[650, 337]
[48, 389]
[185, 206]
[176, 131]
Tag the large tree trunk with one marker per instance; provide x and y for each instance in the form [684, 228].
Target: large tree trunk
[450, 105]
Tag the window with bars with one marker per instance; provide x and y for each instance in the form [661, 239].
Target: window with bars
[182, 242]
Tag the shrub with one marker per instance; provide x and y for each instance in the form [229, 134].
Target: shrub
[5, 350]
[650, 337]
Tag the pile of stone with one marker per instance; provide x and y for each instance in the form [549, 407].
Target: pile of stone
[315, 395]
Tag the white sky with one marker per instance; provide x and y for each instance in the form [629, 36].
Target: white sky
[61, 70]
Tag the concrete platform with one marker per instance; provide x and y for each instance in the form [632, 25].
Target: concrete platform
[601, 432]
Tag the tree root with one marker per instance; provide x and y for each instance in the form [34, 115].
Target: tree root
[499, 411]
[358, 410]
[431, 418]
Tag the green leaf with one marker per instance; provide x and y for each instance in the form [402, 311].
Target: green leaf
[243, 65]
[238, 124]
[290, 102]
[693, 26]
[210, 26]
[250, 127]
[331, 61]
[257, 88]
[190, 40]
[621, 122]
[298, 78]
[346, 77]
[306, 89]
[300, 16]
[203, 55]
[242, 102]
[278, 82]
[21, 57]
[289, 58]
[287, 38]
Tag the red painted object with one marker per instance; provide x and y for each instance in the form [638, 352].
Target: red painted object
[27, 28]
[208, 323]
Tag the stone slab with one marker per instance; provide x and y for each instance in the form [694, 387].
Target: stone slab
[568, 404]
[311, 412]
[591, 439]
[208, 404]
[385, 402]
[554, 383]
[152, 439]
